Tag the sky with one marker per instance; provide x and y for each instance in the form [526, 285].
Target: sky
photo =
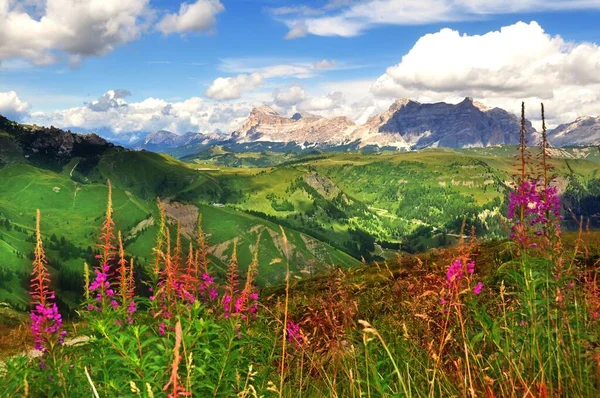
[134, 66]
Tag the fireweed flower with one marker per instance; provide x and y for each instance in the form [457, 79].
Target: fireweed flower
[455, 271]
[471, 267]
[101, 286]
[206, 288]
[46, 323]
[525, 198]
[131, 309]
[533, 206]
[244, 306]
[457, 279]
[226, 306]
[294, 334]
[254, 306]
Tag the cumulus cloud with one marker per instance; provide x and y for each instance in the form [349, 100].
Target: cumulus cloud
[194, 17]
[151, 114]
[351, 18]
[227, 88]
[111, 99]
[288, 97]
[500, 68]
[254, 73]
[78, 28]
[322, 103]
[12, 107]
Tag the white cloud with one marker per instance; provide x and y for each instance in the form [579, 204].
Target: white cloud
[254, 73]
[322, 103]
[111, 99]
[270, 68]
[227, 88]
[78, 28]
[499, 68]
[149, 115]
[288, 97]
[12, 107]
[198, 16]
[324, 64]
[353, 18]
[297, 10]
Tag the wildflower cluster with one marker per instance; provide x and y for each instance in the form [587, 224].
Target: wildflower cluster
[245, 303]
[112, 289]
[456, 273]
[244, 307]
[532, 207]
[207, 288]
[101, 287]
[46, 320]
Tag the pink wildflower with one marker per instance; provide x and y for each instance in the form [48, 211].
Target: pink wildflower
[471, 267]
[46, 321]
[454, 272]
[294, 334]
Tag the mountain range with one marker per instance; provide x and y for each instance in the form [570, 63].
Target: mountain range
[406, 125]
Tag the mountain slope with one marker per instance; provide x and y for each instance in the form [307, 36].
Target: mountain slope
[64, 175]
[413, 125]
[583, 131]
[46, 147]
[264, 124]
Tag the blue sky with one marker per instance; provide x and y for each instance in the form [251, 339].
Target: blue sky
[202, 65]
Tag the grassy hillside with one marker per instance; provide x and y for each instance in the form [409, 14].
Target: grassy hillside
[70, 191]
[336, 208]
[411, 200]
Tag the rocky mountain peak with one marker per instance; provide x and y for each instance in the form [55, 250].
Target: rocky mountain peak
[52, 145]
[401, 103]
[264, 110]
[159, 137]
